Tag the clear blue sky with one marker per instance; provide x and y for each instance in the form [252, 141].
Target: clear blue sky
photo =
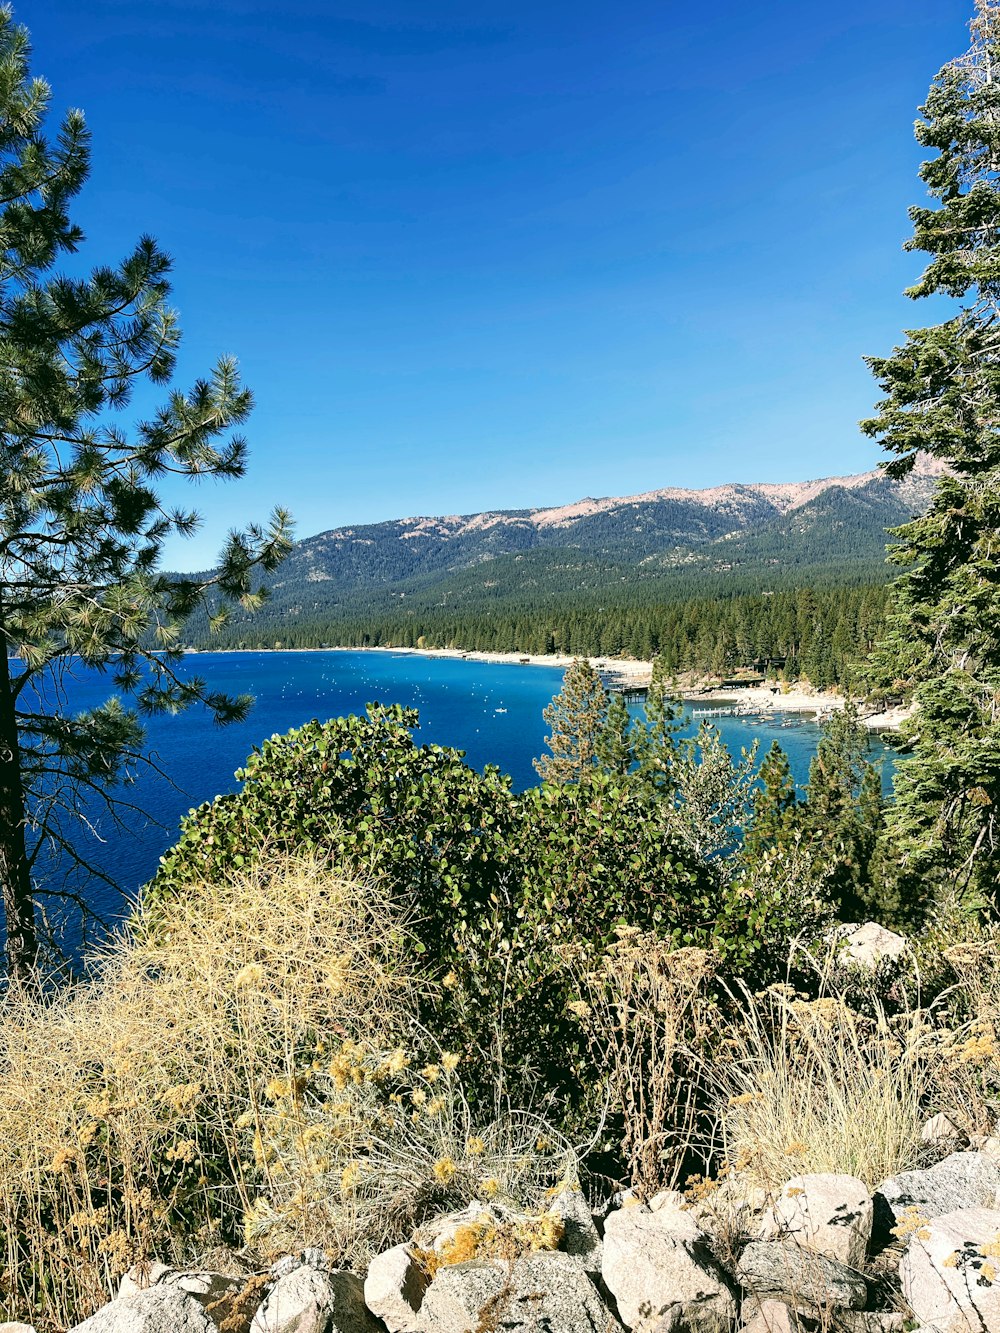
[481, 254]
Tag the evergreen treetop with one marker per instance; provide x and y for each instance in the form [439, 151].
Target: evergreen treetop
[942, 397]
[82, 526]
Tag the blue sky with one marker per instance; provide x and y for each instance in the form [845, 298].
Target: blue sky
[480, 255]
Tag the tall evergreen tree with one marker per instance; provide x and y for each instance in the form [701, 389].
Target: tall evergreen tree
[843, 811]
[578, 717]
[656, 749]
[942, 397]
[81, 525]
[616, 747]
[776, 808]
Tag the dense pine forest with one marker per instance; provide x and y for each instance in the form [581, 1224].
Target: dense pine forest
[714, 582]
[819, 633]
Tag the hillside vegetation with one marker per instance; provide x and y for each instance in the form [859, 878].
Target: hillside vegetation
[679, 573]
[374, 985]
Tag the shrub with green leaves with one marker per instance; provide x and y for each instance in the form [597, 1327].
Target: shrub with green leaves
[493, 883]
[361, 791]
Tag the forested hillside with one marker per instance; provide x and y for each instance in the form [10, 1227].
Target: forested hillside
[816, 632]
[712, 580]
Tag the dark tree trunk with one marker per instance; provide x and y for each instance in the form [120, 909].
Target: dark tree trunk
[15, 877]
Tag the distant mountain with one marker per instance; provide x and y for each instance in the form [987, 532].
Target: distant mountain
[662, 544]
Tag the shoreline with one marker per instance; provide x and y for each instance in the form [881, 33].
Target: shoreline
[636, 673]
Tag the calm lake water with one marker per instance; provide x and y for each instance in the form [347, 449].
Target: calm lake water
[492, 712]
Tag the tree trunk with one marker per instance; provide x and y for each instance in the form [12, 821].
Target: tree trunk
[15, 878]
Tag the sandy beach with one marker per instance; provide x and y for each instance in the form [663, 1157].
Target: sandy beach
[797, 698]
[636, 674]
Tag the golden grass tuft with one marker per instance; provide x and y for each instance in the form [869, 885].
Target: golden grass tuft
[121, 1100]
[647, 1012]
[806, 1086]
[245, 1070]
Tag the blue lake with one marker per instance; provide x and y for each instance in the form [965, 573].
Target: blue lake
[491, 711]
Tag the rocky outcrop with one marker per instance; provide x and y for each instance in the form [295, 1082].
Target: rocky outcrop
[540, 1291]
[395, 1285]
[657, 1265]
[801, 1278]
[209, 1289]
[580, 1235]
[655, 1269]
[830, 1214]
[950, 1273]
[159, 1309]
[869, 945]
[941, 1132]
[961, 1180]
[768, 1316]
[313, 1299]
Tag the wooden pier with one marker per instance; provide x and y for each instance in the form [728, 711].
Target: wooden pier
[737, 710]
[623, 683]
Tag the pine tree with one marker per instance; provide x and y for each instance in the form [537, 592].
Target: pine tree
[656, 748]
[843, 810]
[942, 397]
[578, 718]
[776, 808]
[81, 525]
[616, 744]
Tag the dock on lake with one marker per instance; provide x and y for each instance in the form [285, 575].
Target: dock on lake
[632, 685]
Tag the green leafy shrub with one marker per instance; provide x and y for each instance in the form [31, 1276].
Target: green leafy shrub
[494, 884]
[362, 792]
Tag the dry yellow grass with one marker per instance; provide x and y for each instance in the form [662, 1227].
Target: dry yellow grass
[245, 1068]
[646, 1009]
[811, 1086]
[121, 1100]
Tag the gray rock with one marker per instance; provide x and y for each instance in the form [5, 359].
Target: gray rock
[308, 1300]
[285, 1265]
[153, 1310]
[674, 1213]
[141, 1276]
[946, 1277]
[207, 1288]
[658, 1266]
[768, 1316]
[867, 1321]
[440, 1231]
[940, 1131]
[394, 1289]
[14, 1327]
[580, 1238]
[831, 1214]
[962, 1180]
[870, 944]
[549, 1292]
[313, 1257]
[800, 1277]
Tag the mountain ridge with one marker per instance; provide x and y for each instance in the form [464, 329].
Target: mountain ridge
[640, 549]
[784, 496]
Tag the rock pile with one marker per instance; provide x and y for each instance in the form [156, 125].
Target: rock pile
[803, 1262]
